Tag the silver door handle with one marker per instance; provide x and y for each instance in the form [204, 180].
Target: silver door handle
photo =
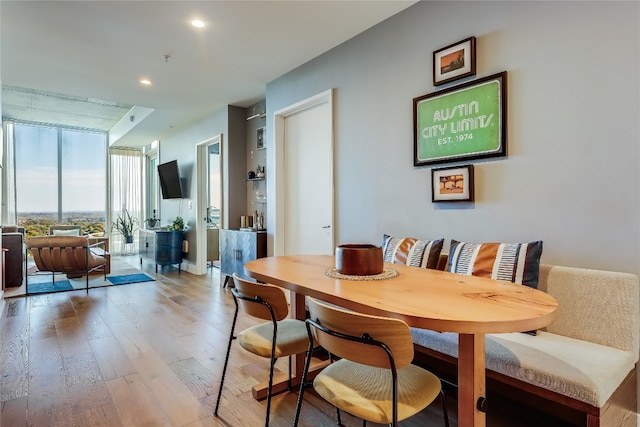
[327, 226]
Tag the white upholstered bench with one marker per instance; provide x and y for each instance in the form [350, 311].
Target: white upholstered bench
[581, 368]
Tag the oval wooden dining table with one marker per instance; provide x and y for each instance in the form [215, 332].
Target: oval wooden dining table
[423, 298]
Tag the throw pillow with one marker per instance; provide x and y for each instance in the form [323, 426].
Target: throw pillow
[73, 232]
[411, 251]
[512, 262]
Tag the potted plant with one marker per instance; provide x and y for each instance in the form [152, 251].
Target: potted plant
[153, 221]
[125, 224]
[177, 224]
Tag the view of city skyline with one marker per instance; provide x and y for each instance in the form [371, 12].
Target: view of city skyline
[37, 223]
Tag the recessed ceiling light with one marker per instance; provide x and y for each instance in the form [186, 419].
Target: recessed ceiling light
[145, 82]
[197, 23]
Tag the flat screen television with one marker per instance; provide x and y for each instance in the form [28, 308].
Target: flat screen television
[170, 180]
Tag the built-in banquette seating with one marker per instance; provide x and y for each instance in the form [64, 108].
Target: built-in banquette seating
[581, 368]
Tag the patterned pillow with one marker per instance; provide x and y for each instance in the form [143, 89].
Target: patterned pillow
[410, 251]
[512, 262]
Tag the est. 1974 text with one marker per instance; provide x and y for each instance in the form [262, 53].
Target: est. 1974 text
[457, 138]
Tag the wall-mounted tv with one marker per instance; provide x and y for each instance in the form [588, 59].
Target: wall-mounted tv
[170, 180]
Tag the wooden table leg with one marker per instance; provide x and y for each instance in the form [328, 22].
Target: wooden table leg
[471, 380]
[298, 311]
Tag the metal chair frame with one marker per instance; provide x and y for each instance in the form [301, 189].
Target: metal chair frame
[364, 339]
[258, 300]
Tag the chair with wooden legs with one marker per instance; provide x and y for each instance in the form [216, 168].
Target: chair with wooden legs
[278, 337]
[374, 379]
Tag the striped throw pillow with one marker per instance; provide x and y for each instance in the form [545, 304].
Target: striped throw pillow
[512, 262]
[411, 251]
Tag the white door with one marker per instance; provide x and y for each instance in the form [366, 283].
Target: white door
[207, 195]
[304, 133]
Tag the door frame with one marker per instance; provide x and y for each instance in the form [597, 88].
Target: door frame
[202, 155]
[279, 119]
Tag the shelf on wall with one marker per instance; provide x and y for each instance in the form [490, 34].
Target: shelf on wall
[256, 179]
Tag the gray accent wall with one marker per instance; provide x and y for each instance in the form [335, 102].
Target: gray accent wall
[572, 175]
[230, 122]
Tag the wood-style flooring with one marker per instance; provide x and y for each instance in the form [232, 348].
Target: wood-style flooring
[149, 354]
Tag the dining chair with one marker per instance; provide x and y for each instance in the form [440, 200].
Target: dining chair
[373, 379]
[278, 337]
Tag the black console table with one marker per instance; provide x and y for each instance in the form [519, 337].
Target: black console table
[162, 247]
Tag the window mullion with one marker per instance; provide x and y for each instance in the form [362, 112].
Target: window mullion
[59, 176]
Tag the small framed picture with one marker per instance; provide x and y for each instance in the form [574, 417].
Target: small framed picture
[452, 184]
[454, 61]
[260, 138]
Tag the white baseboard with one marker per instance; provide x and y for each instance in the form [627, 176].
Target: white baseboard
[189, 267]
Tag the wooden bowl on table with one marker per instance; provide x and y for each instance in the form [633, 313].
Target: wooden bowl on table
[359, 259]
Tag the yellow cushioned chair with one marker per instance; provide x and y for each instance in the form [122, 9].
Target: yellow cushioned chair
[374, 379]
[276, 338]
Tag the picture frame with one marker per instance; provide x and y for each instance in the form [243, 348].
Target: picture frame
[455, 61]
[463, 122]
[453, 184]
[260, 139]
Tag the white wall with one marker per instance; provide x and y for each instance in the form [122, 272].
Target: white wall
[571, 177]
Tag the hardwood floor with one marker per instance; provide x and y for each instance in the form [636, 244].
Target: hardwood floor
[147, 354]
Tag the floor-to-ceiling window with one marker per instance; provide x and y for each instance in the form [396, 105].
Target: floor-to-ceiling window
[60, 178]
[126, 193]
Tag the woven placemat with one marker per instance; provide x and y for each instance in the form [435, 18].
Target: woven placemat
[387, 273]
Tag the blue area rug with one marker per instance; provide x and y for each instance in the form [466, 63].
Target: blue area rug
[46, 287]
[125, 279]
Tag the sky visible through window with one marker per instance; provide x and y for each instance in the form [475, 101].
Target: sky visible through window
[82, 162]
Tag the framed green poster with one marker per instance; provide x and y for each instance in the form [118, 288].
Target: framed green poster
[463, 122]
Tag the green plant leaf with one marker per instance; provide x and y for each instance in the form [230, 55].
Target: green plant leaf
[125, 224]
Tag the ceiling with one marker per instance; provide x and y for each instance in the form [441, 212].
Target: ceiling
[96, 52]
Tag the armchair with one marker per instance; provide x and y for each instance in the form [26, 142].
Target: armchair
[69, 255]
